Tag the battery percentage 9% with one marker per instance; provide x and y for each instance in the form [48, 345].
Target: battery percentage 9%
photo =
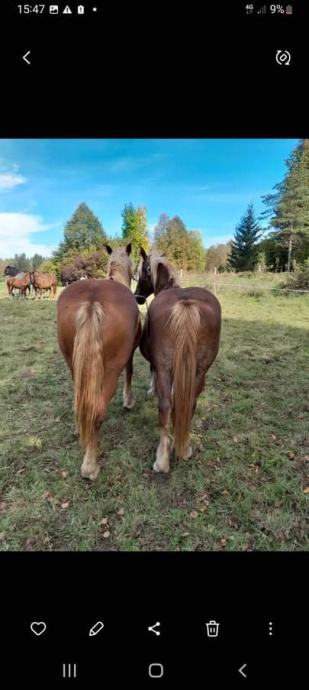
[277, 9]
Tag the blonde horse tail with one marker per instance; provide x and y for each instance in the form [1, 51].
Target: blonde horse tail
[88, 369]
[184, 326]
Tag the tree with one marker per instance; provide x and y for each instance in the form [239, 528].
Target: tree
[275, 253]
[83, 231]
[173, 242]
[22, 263]
[196, 253]
[134, 228]
[161, 227]
[217, 257]
[184, 248]
[36, 261]
[288, 207]
[47, 266]
[90, 262]
[244, 251]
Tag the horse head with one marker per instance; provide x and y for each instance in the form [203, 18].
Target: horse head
[120, 266]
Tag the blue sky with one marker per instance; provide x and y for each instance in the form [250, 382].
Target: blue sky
[207, 182]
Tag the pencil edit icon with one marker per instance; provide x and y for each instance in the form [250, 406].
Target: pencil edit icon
[96, 628]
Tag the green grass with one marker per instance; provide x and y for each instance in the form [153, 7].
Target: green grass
[243, 489]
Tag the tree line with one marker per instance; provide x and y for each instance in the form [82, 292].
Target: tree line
[282, 245]
[81, 252]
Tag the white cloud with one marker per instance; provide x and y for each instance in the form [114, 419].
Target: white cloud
[10, 180]
[15, 235]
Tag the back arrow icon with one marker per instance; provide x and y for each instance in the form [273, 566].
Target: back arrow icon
[241, 670]
[25, 57]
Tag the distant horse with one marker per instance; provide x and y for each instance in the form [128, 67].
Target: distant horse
[98, 330]
[21, 282]
[180, 339]
[44, 281]
[10, 271]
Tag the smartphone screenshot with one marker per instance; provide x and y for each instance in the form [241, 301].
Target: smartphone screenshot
[154, 302]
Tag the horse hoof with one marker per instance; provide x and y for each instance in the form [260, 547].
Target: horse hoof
[92, 475]
[188, 453]
[129, 404]
[150, 393]
[159, 468]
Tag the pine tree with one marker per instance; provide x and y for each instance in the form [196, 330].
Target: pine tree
[36, 261]
[22, 263]
[82, 231]
[134, 228]
[244, 251]
[289, 205]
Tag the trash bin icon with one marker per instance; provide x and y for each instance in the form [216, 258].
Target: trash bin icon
[212, 629]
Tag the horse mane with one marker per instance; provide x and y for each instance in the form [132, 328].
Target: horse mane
[119, 266]
[155, 259]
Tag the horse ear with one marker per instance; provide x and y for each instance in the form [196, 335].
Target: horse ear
[143, 253]
[108, 248]
[129, 248]
[162, 277]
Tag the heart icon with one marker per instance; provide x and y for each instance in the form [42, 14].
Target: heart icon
[38, 628]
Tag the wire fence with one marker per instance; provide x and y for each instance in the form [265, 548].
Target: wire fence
[256, 288]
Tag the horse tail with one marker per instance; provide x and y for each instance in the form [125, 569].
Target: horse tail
[184, 326]
[88, 369]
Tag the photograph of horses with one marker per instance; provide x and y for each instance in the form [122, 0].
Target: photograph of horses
[154, 301]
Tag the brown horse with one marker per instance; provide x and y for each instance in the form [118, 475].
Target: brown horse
[22, 284]
[180, 339]
[44, 281]
[98, 330]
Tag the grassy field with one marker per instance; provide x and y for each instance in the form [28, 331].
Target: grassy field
[245, 488]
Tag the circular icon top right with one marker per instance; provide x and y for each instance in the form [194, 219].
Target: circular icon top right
[283, 57]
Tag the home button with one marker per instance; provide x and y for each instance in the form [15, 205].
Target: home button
[155, 670]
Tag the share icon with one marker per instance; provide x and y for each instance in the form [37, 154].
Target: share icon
[152, 628]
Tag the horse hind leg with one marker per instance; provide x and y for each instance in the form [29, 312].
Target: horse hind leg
[151, 390]
[163, 388]
[128, 400]
[90, 467]
[199, 385]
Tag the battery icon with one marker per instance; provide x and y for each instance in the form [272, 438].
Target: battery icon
[289, 9]
[80, 9]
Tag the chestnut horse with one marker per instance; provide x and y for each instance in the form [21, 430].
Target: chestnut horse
[44, 281]
[180, 339]
[22, 283]
[98, 330]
